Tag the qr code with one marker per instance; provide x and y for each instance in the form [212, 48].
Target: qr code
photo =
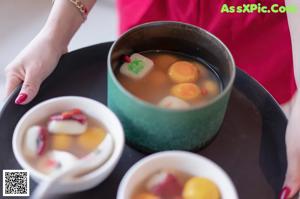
[15, 183]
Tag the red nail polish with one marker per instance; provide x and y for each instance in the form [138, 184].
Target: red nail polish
[285, 192]
[127, 59]
[21, 98]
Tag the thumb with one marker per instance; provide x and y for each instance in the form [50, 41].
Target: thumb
[292, 181]
[29, 89]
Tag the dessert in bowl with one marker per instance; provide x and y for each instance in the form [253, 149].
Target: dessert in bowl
[176, 175]
[56, 133]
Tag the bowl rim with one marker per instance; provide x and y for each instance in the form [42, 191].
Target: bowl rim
[106, 167]
[167, 154]
[152, 106]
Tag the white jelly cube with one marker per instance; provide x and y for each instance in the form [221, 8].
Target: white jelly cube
[71, 127]
[172, 102]
[138, 67]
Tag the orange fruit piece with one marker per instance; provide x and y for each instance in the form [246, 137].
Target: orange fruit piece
[186, 91]
[146, 196]
[61, 141]
[164, 61]
[183, 72]
[90, 139]
[200, 188]
[156, 78]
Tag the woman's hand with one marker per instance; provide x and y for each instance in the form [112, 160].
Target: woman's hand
[32, 66]
[292, 181]
[41, 56]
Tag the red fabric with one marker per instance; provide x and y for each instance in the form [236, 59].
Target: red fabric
[260, 43]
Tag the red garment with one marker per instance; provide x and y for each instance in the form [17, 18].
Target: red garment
[260, 43]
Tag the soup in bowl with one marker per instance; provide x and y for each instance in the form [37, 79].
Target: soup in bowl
[169, 83]
[169, 80]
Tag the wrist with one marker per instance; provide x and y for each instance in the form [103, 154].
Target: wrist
[61, 25]
[54, 39]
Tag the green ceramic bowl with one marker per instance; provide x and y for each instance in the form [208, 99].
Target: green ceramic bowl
[150, 128]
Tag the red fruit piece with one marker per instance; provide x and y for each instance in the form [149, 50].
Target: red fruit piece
[42, 140]
[168, 188]
[66, 115]
[76, 111]
[126, 59]
[203, 91]
[80, 118]
[51, 163]
[69, 114]
[74, 114]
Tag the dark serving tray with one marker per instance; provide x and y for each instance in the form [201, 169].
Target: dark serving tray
[250, 145]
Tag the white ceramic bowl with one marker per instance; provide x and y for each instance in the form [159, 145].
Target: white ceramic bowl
[92, 108]
[186, 162]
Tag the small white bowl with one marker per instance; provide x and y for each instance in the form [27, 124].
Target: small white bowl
[186, 162]
[93, 109]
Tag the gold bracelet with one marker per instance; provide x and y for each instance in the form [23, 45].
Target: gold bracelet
[80, 7]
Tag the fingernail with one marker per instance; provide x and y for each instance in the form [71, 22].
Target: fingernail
[21, 98]
[285, 192]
